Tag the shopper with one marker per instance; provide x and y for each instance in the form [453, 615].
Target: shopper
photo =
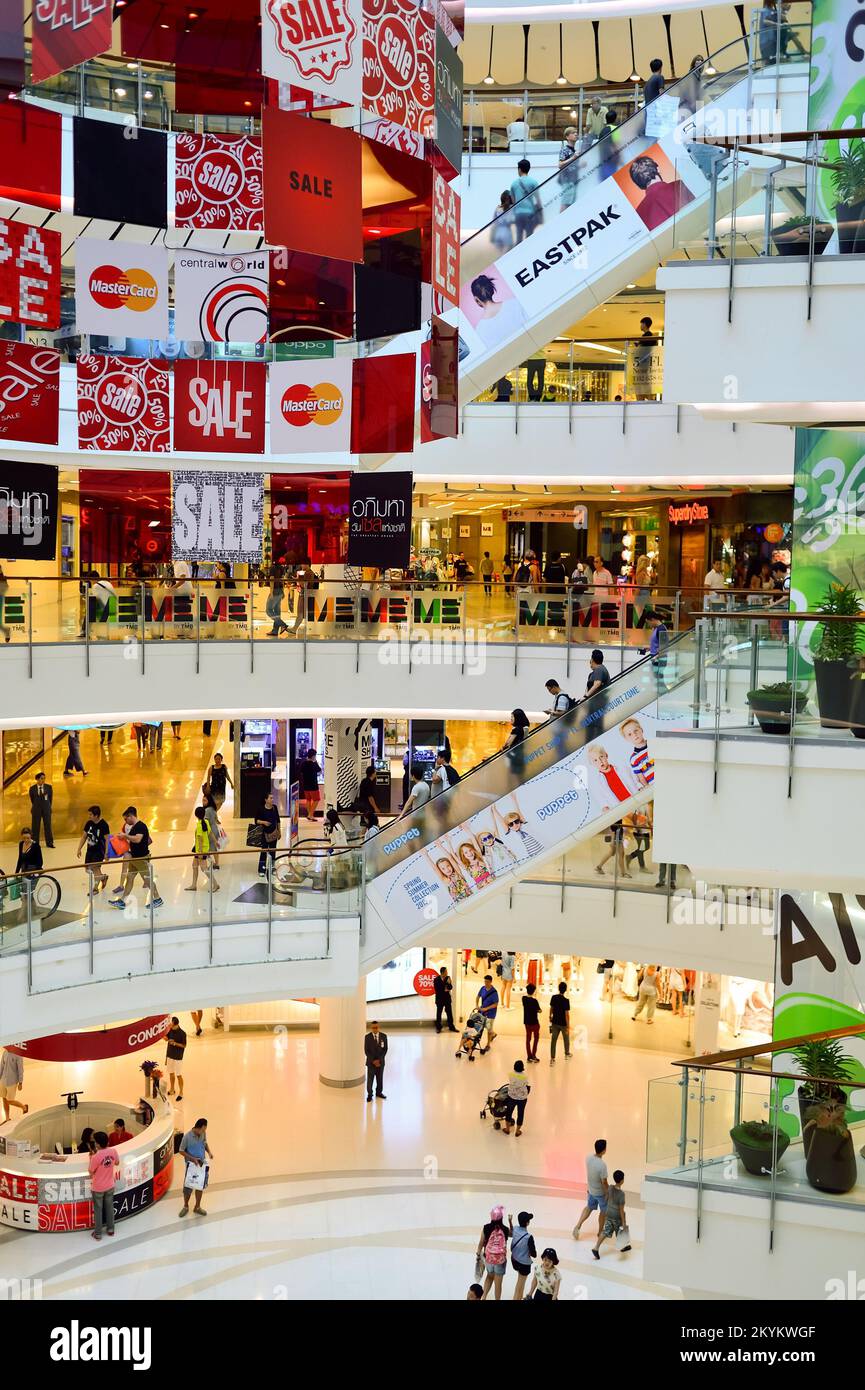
[518, 1096]
[475, 1294]
[273, 604]
[375, 1052]
[602, 579]
[502, 230]
[597, 1188]
[596, 120]
[95, 837]
[615, 1220]
[334, 830]
[531, 1022]
[41, 804]
[487, 1002]
[555, 574]
[547, 1278]
[560, 1026]
[520, 725]
[647, 996]
[528, 210]
[85, 1143]
[420, 791]
[444, 775]
[656, 83]
[175, 1040]
[658, 644]
[523, 1250]
[11, 1082]
[562, 702]
[569, 171]
[366, 801]
[4, 590]
[310, 771]
[196, 1016]
[599, 676]
[104, 1166]
[607, 150]
[444, 1000]
[508, 962]
[119, 1134]
[211, 815]
[29, 862]
[493, 1250]
[196, 1150]
[138, 863]
[691, 87]
[73, 759]
[769, 33]
[268, 819]
[217, 777]
[175, 728]
[715, 585]
[508, 575]
[487, 571]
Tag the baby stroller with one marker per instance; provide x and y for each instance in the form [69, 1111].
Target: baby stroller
[497, 1104]
[472, 1034]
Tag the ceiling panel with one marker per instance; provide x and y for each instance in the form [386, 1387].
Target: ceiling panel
[614, 50]
[687, 40]
[543, 55]
[509, 55]
[650, 41]
[726, 47]
[475, 53]
[581, 65]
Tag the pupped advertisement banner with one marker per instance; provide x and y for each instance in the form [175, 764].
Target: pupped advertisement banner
[219, 406]
[221, 298]
[217, 516]
[121, 288]
[399, 63]
[446, 240]
[29, 275]
[123, 404]
[68, 32]
[29, 393]
[314, 45]
[310, 406]
[570, 778]
[28, 511]
[218, 182]
[379, 520]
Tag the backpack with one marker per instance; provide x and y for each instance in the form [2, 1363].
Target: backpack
[523, 574]
[572, 703]
[496, 1246]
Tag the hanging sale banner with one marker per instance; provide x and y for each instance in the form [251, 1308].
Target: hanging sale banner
[399, 64]
[28, 511]
[449, 101]
[219, 406]
[68, 32]
[314, 44]
[310, 406]
[446, 240]
[379, 520]
[439, 383]
[218, 182]
[220, 298]
[312, 186]
[121, 289]
[29, 275]
[29, 393]
[396, 137]
[123, 405]
[217, 516]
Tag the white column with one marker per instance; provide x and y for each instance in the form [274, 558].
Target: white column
[342, 1025]
[347, 753]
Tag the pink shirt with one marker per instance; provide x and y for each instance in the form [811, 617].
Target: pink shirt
[102, 1169]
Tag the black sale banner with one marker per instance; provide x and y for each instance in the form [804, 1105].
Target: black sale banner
[28, 511]
[379, 520]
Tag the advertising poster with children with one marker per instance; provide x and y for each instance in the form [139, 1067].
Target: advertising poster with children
[569, 779]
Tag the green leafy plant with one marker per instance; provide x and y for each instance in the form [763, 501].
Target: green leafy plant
[839, 641]
[756, 1132]
[828, 1116]
[823, 1059]
[780, 690]
[848, 174]
[802, 219]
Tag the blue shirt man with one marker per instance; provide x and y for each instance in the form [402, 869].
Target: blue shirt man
[488, 1003]
[659, 639]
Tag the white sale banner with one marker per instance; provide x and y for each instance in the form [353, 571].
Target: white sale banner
[310, 406]
[121, 288]
[221, 298]
[314, 44]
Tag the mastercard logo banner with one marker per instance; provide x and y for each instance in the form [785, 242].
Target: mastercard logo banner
[310, 406]
[121, 289]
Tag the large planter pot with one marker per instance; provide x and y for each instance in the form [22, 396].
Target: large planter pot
[830, 1165]
[796, 241]
[772, 712]
[857, 708]
[806, 1103]
[757, 1158]
[850, 220]
[836, 693]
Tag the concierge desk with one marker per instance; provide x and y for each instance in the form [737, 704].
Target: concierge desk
[49, 1190]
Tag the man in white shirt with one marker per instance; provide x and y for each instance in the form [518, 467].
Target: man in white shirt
[444, 775]
[716, 584]
[420, 792]
[602, 580]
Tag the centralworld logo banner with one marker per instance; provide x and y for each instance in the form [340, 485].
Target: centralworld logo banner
[310, 406]
[123, 405]
[218, 182]
[314, 44]
[221, 298]
[121, 288]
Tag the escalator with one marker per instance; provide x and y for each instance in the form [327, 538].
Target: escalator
[569, 779]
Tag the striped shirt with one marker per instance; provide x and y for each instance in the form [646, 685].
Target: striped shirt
[643, 766]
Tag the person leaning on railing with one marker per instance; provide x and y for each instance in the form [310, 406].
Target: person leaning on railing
[30, 863]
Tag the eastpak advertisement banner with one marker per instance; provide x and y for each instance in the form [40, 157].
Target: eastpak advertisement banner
[379, 520]
[121, 288]
[571, 777]
[315, 45]
[221, 298]
[218, 182]
[217, 516]
[310, 406]
[28, 511]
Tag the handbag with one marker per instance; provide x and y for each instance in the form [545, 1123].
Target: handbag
[480, 1268]
[222, 838]
[623, 1238]
[255, 836]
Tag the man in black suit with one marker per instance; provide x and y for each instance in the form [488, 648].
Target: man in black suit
[375, 1048]
[41, 798]
[443, 991]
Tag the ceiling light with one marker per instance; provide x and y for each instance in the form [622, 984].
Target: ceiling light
[148, 95]
[131, 66]
[631, 285]
[120, 91]
[488, 80]
[635, 76]
[561, 79]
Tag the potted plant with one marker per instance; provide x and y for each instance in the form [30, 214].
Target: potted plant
[771, 705]
[848, 183]
[830, 1158]
[754, 1141]
[793, 237]
[826, 1066]
[836, 658]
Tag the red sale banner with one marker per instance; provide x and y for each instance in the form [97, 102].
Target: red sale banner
[218, 182]
[68, 32]
[446, 240]
[29, 275]
[399, 63]
[123, 405]
[29, 393]
[219, 406]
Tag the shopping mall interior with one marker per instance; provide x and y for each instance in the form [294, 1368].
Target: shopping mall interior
[432, 470]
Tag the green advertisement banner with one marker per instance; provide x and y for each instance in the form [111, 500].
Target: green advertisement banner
[828, 518]
[836, 95]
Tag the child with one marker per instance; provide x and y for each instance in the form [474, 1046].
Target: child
[642, 765]
[472, 1034]
[547, 1280]
[474, 865]
[615, 1218]
[525, 843]
[496, 854]
[600, 760]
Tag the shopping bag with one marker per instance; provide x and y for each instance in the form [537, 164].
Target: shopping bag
[480, 1268]
[116, 846]
[255, 836]
[623, 1238]
[222, 838]
[196, 1176]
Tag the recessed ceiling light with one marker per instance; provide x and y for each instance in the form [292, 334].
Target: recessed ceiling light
[631, 285]
[120, 91]
[148, 95]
